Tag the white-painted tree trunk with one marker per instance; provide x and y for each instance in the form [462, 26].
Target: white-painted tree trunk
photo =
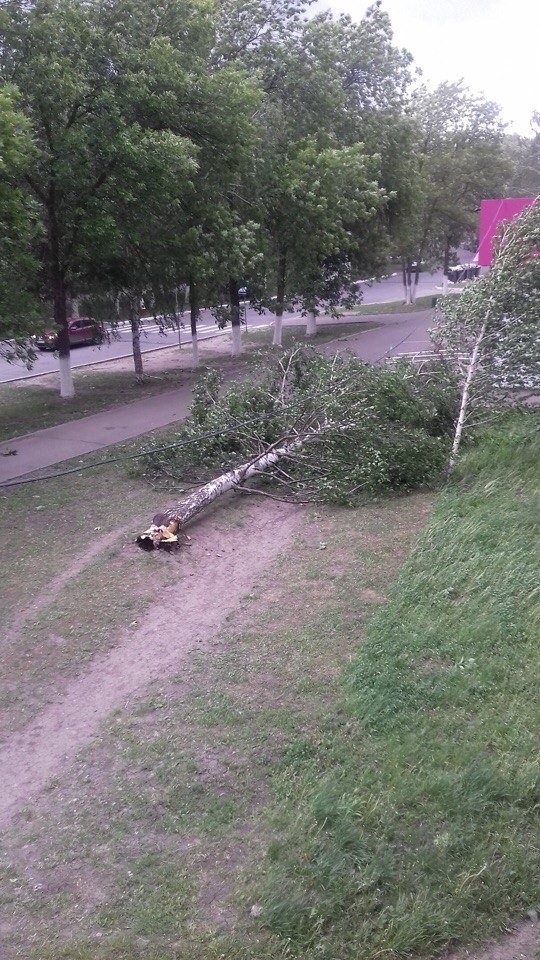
[67, 389]
[311, 325]
[465, 396]
[445, 285]
[194, 350]
[278, 326]
[236, 347]
[200, 499]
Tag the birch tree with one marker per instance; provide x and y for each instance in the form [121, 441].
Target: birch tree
[308, 428]
[493, 329]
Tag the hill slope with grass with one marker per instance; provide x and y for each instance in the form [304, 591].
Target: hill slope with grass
[417, 827]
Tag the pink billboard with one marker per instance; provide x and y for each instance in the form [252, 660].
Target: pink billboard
[492, 212]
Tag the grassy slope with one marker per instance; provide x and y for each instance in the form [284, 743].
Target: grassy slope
[421, 828]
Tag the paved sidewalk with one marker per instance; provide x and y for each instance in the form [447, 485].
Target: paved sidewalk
[43, 449]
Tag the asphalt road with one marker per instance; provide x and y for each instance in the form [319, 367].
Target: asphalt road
[388, 290]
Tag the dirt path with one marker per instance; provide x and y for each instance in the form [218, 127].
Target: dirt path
[206, 592]
[521, 944]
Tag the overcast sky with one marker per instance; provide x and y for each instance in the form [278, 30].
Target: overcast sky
[494, 45]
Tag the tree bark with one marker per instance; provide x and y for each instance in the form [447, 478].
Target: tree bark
[59, 291]
[67, 390]
[446, 266]
[407, 280]
[414, 287]
[193, 319]
[311, 324]
[280, 300]
[404, 278]
[234, 300]
[165, 526]
[465, 396]
[135, 324]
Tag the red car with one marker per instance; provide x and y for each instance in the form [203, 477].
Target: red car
[82, 331]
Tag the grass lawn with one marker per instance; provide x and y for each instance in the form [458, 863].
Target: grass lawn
[297, 333]
[351, 770]
[25, 407]
[396, 306]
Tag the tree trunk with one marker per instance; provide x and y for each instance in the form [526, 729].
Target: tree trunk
[446, 265]
[280, 300]
[311, 324]
[193, 318]
[67, 390]
[135, 324]
[234, 300]
[165, 526]
[408, 284]
[414, 286]
[465, 396]
[404, 278]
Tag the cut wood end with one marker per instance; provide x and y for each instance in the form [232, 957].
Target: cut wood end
[159, 536]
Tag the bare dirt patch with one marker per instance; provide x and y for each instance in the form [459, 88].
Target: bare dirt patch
[185, 617]
[523, 943]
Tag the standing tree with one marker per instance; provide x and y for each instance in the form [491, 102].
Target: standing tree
[459, 161]
[315, 202]
[135, 258]
[523, 154]
[495, 324]
[94, 78]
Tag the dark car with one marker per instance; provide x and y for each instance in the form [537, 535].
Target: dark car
[82, 331]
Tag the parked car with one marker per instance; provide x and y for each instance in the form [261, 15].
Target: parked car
[463, 271]
[82, 331]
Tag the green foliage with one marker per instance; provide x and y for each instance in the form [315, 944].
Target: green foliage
[456, 159]
[124, 114]
[507, 301]
[523, 154]
[18, 310]
[363, 429]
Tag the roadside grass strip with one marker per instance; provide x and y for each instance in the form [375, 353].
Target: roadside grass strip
[418, 827]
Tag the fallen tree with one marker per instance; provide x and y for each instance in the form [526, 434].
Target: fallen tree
[164, 528]
[307, 428]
